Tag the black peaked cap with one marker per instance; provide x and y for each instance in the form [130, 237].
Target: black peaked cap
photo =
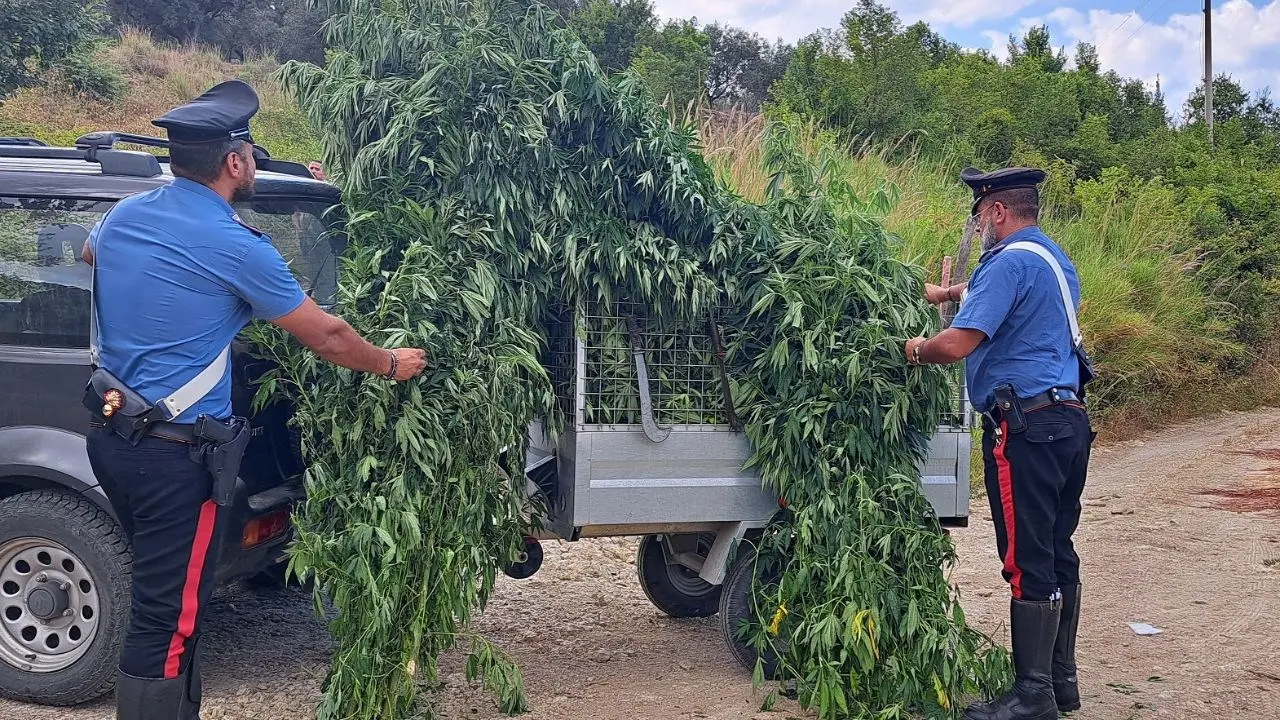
[221, 113]
[984, 184]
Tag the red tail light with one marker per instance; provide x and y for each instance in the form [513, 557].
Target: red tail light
[265, 528]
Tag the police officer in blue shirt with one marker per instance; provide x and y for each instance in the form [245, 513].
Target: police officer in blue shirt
[1025, 368]
[177, 276]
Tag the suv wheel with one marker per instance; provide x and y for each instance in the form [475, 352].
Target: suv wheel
[64, 598]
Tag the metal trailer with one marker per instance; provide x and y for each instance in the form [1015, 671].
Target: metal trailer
[663, 462]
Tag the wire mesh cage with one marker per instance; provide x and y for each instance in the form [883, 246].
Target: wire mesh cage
[596, 358]
[596, 354]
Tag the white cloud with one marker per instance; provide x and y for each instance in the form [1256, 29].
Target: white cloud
[1246, 44]
[959, 13]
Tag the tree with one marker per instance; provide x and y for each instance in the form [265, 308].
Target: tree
[675, 65]
[1087, 58]
[36, 34]
[1036, 47]
[1229, 101]
[743, 66]
[183, 21]
[289, 29]
[871, 77]
[931, 43]
[615, 30]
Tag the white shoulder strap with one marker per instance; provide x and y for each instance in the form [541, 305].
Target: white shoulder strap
[184, 397]
[1067, 303]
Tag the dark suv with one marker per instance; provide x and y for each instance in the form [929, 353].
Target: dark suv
[64, 561]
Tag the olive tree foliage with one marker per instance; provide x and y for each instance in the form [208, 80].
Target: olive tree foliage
[493, 174]
[743, 66]
[36, 35]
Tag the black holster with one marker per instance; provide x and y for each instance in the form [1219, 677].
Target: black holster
[1009, 408]
[220, 447]
[1085, 366]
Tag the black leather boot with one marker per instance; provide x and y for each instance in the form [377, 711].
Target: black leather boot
[150, 699]
[190, 708]
[1034, 627]
[1065, 686]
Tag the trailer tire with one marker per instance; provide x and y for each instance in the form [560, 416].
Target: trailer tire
[674, 589]
[737, 607]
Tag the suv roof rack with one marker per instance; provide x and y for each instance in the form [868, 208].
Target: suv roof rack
[113, 162]
[106, 139]
[25, 141]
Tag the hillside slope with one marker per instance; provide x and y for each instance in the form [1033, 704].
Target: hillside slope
[159, 77]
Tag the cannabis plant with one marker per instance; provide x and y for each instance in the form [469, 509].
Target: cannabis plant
[494, 175]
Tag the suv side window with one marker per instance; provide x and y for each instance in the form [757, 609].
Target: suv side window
[44, 285]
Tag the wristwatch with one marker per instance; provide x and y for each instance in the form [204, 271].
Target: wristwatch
[915, 354]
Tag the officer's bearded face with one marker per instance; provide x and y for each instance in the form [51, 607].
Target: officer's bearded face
[987, 229]
[244, 190]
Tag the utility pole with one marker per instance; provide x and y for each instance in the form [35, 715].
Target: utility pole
[1208, 69]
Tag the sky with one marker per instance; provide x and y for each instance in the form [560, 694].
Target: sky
[1145, 39]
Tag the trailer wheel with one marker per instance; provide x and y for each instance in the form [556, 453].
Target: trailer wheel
[673, 588]
[738, 609]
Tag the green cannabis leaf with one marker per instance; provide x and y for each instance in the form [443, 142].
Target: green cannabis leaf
[494, 177]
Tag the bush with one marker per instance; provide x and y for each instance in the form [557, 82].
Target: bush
[993, 136]
[91, 78]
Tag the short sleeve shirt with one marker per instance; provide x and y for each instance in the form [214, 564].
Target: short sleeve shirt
[1015, 300]
[178, 276]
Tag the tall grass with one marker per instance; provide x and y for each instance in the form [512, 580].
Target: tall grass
[1150, 326]
[160, 76]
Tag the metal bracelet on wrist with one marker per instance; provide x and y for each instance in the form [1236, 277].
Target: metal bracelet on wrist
[395, 365]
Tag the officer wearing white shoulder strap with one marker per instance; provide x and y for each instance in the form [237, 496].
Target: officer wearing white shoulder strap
[1026, 369]
[177, 275]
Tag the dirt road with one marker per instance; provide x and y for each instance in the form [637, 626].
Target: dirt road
[1180, 530]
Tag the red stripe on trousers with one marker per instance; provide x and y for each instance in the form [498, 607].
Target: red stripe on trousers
[1004, 474]
[191, 588]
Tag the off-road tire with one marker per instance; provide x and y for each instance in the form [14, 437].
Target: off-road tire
[736, 606]
[99, 542]
[675, 590]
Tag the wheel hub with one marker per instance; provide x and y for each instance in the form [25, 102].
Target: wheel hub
[49, 605]
[47, 601]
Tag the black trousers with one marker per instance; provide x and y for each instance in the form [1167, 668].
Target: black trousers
[1034, 482]
[163, 500]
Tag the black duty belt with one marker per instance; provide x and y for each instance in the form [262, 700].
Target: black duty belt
[1056, 396]
[184, 433]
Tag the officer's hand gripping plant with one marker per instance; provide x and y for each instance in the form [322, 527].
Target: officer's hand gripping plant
[492, 174]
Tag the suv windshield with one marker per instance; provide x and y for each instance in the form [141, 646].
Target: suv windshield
[44, 286]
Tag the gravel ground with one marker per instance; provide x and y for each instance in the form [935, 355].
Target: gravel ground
[1180, 529]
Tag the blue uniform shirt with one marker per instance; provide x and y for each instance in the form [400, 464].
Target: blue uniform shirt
[178, 277]
[1014, 299]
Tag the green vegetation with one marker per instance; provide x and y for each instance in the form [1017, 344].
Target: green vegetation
[494, 175]
[35, 35]
[1177, 243]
